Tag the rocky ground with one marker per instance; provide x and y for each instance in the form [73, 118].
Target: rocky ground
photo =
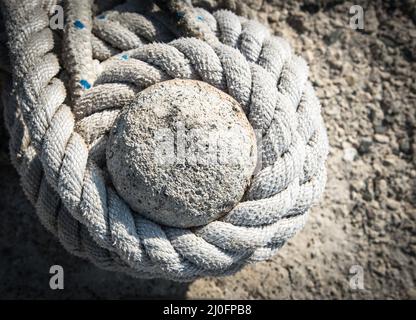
[364, 225]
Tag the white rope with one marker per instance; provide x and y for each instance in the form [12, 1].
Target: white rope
[59, 150]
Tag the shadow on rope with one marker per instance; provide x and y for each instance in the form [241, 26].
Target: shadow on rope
[28, 252]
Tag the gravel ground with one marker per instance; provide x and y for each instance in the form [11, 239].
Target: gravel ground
[366, 221]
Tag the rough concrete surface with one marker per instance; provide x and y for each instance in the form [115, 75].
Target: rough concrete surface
[366, 82]
[183, 153]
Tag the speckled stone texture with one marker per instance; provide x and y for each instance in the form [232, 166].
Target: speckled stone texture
[183, 154]
[365, 81]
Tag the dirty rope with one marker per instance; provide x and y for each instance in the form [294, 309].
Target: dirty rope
[69, 86]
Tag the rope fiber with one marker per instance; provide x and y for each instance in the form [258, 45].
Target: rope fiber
[61, 105]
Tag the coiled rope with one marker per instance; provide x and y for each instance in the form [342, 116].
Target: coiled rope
[60, 108]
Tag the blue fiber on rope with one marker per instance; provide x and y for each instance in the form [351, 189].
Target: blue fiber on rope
[85, 84]
[78, 24]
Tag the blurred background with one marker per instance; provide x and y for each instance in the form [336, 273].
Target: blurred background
[360, 241]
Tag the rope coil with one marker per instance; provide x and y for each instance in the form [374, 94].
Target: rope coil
[59, 130]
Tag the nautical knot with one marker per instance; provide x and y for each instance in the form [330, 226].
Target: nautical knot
[61, 108]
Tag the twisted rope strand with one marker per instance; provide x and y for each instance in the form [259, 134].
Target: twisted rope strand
[54, 144]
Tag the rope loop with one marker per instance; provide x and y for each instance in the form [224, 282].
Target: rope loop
[63, 107]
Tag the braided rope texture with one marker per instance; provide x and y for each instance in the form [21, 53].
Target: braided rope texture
[69, 87]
